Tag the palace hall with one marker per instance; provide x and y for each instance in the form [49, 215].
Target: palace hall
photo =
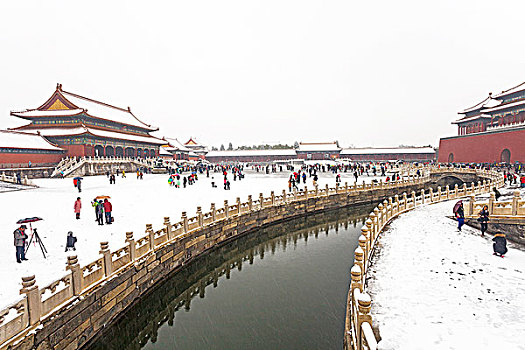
[86, 127]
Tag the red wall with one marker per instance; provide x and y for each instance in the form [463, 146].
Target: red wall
[484, 148]
[35, 158]
[77, 150]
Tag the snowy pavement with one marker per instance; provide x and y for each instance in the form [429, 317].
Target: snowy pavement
[135, 204]
[434, 287]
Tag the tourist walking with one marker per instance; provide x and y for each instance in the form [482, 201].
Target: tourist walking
[459, 212]
[76, 207]
[79, 185]
[484, 219]
[108, 208]
[20, 243]
[500, 244]
[496, 193]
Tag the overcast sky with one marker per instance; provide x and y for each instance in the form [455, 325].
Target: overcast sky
[365, 73]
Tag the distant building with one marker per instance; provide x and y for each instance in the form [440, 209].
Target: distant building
[177, 149]
[17, 148]
[491, 131]
[251, 156]
[318, 151]
[386, 154]
[196, 147]
[86, 127]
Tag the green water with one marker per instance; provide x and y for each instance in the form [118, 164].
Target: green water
[282, 287]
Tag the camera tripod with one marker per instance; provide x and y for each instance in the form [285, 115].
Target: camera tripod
[38, 241]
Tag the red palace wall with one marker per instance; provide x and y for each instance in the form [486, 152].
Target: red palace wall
[484, 148]
[35, 158]
[77, 150]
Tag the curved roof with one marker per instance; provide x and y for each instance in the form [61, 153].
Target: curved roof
[64, 103]
[25, 140]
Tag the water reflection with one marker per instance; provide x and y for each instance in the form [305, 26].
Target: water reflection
[140, 325]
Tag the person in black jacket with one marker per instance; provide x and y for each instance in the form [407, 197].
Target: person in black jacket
[484, 219]
[500, 244]
[71, 240]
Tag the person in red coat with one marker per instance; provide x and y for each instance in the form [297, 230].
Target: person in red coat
[107, 210]
[77, 206]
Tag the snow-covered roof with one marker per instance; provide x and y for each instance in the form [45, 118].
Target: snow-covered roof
[253, 153]
[474, 117]
[318, 147]
[504, 106]
[176, 145]
[48, 113]
[25, 140]
[404, 150]
[64, 103]
[101, 133]
[489, 102]
[164, 152]
[510, 91]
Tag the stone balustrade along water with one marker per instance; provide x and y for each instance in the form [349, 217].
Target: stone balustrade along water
[74, 307]
[359, 334]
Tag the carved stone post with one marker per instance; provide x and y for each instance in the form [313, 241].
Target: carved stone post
[305, 192]
[316, 190]
[76, 274]
[169, 231]
[238, 203]
[327, 190]
[405, 200]
[470, 209]
[492, 199]
[213, 212]
[413, 199]
[346, 187]
[363, 244]
[515, 202]
[108, 265]
[447, 190]
[226, 208]
[272, 194]
[294, 194]
[131, 246]
[261, 200]
[363, 305]
[439, 193]
[423, 196]
[336, 188]
[250, 202]
[34, 300]
[200, 218]
[431, 194]
[151, 236]
[359, 257]
[396, 201]
[464, 189]
[355, 274]
[184, 220]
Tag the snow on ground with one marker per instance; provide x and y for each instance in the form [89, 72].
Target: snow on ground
[7, 187]
[434, 287]
[135, 204]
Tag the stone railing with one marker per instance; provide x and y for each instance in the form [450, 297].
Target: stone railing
[12, 179]
[146, 260]
[359, 334]
[509, 209]
[68, 165]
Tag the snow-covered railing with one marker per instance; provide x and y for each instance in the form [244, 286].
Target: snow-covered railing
[359, 333]
[514, 208]
[67, 165]
[37, 304]
[13, 179]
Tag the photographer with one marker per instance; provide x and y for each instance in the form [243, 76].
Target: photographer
[20, 243]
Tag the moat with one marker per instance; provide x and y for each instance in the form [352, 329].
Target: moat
[281, 287]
